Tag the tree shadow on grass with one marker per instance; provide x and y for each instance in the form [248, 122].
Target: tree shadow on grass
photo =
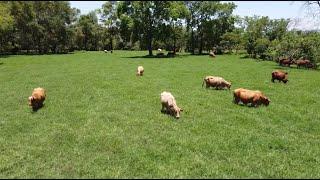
[277, 66]
[245, 57]
[33, 54]
[153, 57]
[166, 56]
[4, 56]
[1, 63]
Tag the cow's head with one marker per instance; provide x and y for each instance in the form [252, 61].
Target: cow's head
[229, 85]
[177, 112]
[265, 100]
[31, 101]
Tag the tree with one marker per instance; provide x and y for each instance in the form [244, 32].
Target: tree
[6, 26]
[232, 40]
[88, 24]
[109, 18]
[210, 20]
[149, 15]
[177, 13]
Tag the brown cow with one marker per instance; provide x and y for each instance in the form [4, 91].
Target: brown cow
[37, 98]
[280, 76]
[217, 82]
[285, 62]
[311, 65]
[302, 62]
[255, 98]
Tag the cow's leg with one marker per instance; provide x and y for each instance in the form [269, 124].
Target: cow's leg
[272, 79]
[236, 99]
[163, 108]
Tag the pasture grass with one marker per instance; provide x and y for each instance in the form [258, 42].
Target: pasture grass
[101, 121]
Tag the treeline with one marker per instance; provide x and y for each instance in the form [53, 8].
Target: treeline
[192, 26]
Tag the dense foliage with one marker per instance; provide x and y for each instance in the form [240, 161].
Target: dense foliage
[192, 26]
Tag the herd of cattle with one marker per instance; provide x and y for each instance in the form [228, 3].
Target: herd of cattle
[169, 104]
[302, 62]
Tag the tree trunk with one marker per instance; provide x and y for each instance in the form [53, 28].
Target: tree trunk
[192, 42]
[174, 43]
[150, 42]
[201, 44]
[111, 47]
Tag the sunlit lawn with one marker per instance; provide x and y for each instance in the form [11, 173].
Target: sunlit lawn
[101, 121]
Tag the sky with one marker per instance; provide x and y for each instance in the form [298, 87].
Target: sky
[274, 9]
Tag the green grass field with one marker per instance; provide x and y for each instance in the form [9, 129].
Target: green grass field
[101, 121]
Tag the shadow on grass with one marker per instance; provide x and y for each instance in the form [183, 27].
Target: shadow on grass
[166, 56]
[1, 63]
[35, 109]
[32, 54]
[4, 56]
[168, 114]
[245, 57]
[277, 66]
[245, 105]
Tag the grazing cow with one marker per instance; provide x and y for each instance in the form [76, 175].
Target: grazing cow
[37, 98]
[311, 65]
[169, 104]
[284, 62]
[302, 62]
[217, 82]
[106, 51]
[255, 98]
[159, 50]
[280, 76]
[140, 71]
[211, 54]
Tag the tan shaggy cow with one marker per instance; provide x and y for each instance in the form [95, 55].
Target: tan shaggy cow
[255, 98]
[280, 76]
[169, 104]
[140, 71]
[217, 82]
[37, 98]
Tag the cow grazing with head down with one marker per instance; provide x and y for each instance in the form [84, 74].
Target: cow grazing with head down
[217, 82]
[255, 98]
[37, 98]
[311, 65]
[211, 54]
[302, 63]
[169, 104]
[285, 62]
[280, 76]
[140, 71]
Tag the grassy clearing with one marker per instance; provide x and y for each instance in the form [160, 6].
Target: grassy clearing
[101, 121]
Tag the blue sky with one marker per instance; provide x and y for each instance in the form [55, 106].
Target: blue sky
[273, 9]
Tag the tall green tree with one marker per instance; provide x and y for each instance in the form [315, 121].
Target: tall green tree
[150, 15]
[109, 18]
[6, 26]
[177, 14]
